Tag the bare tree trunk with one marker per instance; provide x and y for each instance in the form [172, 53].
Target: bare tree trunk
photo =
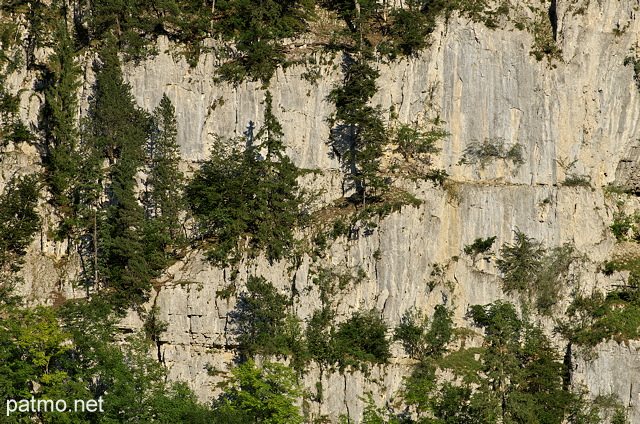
[95, 245]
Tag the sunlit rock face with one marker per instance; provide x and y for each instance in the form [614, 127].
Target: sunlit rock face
[572, 116]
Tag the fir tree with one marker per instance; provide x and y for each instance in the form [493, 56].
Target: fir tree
[164, 183]
[118, 131]
[360, 126]
[19, 219]
[163, 197]
[62, 160]
[241, 195]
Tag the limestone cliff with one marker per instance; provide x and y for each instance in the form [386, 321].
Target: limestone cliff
[574, 115]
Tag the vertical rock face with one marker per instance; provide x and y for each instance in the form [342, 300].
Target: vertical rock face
[577, 116]
[613, 370]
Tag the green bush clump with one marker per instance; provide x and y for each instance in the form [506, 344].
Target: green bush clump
[409, 30]
[242, 199]
[421, 337]
[624, 227]
[262, 322]
[360, 339]
[479, 246]
[413, 143]
[595, 318]
[535, 272]
[489, 150]
[363, 337]
[576, 180]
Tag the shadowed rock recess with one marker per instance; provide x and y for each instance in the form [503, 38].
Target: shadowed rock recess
[534, 110]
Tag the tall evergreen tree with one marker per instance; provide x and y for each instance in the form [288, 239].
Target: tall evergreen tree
[58, 120]
[360, 126]
[19, 219]
[163, 198]
[244, 195]
[118, 130]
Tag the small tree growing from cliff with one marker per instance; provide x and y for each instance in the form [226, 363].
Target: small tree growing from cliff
[360, 134]
[19, 219]
[241, 195]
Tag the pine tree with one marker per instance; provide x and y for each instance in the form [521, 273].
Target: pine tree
[163, 198]
[19, 219]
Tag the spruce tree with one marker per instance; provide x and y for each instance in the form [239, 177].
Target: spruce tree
[163, 197]
[242, 194]
[19, 219]
[118, 130]
[58, 120]
[360, 126]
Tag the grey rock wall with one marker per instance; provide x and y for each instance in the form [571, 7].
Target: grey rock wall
[484, 84]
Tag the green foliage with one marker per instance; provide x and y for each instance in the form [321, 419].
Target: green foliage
[479, 245]
[239, 195]
[515, 377]
[136, 24]
[409, 30]
[629, 263]
[19, 219]
[414, 143]
[489, 150]
[320, 344]
[572, 178]
[363, 337]
[253, 394]
[153, 327]
[552, 276]
[624, 227]
[117, 130]
[31, 343]
[520, 262]
[533, 271]
[421, 340]
[73, 355]
[12, 129]
[596, 318]
[544, 43]
[359, 134]
[575, 180]
[163, 199]
[262, 322]
[258, 31]
[438, 176]
[523, 373]
[58, 120]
